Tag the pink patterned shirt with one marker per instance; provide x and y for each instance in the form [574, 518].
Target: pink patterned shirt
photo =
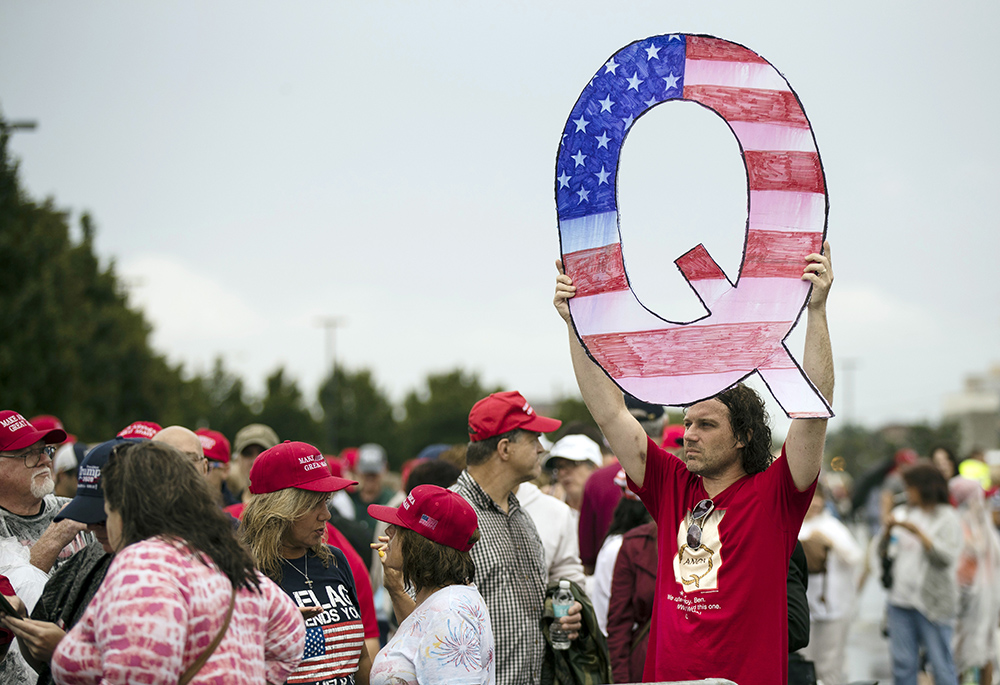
[159, 607]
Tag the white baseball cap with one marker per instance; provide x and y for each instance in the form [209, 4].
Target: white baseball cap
[576, 448]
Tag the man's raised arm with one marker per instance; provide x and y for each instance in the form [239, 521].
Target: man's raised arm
[604, 399]
[806, 437]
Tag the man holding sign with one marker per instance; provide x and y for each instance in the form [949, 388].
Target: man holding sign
[728, 517]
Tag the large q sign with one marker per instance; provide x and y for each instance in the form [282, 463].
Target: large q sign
[679, 363]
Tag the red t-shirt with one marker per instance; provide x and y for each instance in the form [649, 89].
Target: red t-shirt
[721, 611]
[600, 497]
[362, 582]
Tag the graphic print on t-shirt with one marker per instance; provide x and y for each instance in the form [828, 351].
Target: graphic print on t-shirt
[335, 636]
[697, 569]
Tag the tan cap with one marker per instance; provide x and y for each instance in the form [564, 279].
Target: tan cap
[255, 434]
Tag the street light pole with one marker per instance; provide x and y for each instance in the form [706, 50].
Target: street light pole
[23, 125]
[849, 366]
[330, 325]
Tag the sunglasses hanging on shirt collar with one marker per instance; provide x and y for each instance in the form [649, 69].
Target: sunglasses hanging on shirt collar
[700, 512]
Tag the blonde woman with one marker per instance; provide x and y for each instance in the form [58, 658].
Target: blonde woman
[284, 526]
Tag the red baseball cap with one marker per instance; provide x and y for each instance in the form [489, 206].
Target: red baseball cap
[335, 464]
[293, 465]
[349, 457]
[673, 436]
[621, 480]
[214, 444]
[440, 515]
[46, 422]
[16, 432]
[140, 429]
[906, 456]
[505, 411]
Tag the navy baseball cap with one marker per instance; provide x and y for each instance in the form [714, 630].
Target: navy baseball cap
[88, 505]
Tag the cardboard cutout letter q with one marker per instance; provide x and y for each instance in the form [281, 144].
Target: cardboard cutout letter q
[680, 363]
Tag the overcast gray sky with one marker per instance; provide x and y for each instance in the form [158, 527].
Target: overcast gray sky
[253, 166]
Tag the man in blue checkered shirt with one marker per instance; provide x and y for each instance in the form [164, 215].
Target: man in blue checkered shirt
[504, 451]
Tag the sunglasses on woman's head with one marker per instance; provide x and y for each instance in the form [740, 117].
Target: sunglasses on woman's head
[120, 449]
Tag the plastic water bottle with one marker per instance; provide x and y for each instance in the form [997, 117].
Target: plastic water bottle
[561, 603]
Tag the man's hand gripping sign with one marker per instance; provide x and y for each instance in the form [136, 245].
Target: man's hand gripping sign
[674, 363]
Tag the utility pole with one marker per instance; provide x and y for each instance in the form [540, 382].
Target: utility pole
[330, 324]
[23, 125]
[849, 366]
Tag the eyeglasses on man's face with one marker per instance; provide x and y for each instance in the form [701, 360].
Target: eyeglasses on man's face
[558, 464]
[32, 455]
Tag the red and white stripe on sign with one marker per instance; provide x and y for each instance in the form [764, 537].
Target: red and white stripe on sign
[684, 350]
[748, 321]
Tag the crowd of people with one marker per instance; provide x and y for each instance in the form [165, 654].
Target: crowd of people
[182, 557]
[166, 555]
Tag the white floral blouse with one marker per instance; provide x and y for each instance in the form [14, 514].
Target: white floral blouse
[447, 639]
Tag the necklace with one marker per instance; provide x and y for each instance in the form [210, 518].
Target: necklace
[304, 575]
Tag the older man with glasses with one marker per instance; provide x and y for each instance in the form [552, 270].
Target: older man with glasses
[27, 510]
[27, 505]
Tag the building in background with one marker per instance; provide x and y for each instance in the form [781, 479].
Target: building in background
[976, 409]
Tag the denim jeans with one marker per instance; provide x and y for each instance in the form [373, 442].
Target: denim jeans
[908, 631]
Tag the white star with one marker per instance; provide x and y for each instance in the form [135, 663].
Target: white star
[633, 83]
[579, 157]
[563, 180]
[673, 36]
[602, 175]
[628, 120]
[651, 52]
[602, 141]
[650, 102]
[671, 80]
[583, 195]
[611, 66]
[581, 124]
[606, 104]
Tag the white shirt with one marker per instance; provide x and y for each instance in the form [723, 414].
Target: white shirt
[604, 571]
[832, 597]
[557, 524]
[922, 579]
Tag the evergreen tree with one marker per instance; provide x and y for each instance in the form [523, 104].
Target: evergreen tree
[228, 409]
[71, 344]
[440, 412]
[356, 411]
[284, 410]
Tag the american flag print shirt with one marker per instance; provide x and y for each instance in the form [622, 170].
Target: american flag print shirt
[335, 637]
[447, 639]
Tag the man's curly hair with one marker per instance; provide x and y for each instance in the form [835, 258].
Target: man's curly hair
[749, 421]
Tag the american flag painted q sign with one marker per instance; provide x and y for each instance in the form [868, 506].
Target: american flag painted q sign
[679, 363]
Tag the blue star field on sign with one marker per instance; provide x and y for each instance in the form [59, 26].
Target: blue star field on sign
[636, 78]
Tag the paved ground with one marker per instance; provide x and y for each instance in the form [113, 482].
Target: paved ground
[867, 648]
